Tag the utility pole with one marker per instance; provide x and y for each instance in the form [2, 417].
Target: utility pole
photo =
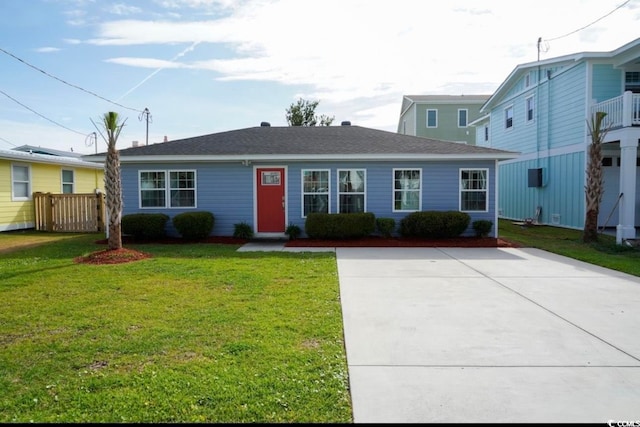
[147, 116]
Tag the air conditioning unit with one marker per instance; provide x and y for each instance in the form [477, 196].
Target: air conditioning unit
[535, 177]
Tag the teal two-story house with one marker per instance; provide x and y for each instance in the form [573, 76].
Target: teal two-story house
[542, 111]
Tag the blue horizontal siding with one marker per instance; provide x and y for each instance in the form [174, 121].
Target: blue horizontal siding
[226, 189]
[608, 82]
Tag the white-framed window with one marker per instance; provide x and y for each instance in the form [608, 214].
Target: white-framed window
[167, 189]
[351, 190]
[527, 80]
[407, 190]
[68, 181]
[474, 190]
[315, 191]
[530, 108]
[463, 115]
[432, 118]
[20, 182]
[508, 117]
[486, 133]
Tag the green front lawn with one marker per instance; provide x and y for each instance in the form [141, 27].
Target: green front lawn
[197, 333]
[562, 241]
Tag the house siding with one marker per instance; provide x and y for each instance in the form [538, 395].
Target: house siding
[608, 82]
[227, 189]
[45, 178]
[447, 128]
[561, 197]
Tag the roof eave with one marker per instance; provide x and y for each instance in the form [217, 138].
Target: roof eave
[317, 157]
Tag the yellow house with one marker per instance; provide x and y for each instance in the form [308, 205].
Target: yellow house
[24, 173]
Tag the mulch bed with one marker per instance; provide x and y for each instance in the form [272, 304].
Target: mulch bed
[124, 255]
[405, 242]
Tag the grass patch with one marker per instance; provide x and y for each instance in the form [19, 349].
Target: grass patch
[197, 333]
[605, 253]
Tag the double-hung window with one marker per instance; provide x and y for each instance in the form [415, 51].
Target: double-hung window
[167, 189]
[406, 190]
[530, 107]
[315, 191]
[508, 117]
[474, 190]
[67, 181]
[20, 182]
[462, 118]
[351, 190]
[432, 118]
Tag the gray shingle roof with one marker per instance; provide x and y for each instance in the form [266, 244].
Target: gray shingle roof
[310, 142]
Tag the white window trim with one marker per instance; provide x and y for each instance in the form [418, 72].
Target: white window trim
[466, 118]
[526, 109]
[486, 132]
[62, 181]
[427, 118]
[29, 181]
[302, 193]
[527, 80]
[460, 189]
[504, 117]
[167, 189]
[339, 193]
[393, 190]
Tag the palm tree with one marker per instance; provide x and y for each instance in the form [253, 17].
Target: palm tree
[112, 181]
[595, 182]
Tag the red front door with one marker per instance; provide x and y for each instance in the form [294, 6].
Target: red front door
[270, 200]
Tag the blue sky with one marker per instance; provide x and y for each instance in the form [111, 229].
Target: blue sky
[206, 66]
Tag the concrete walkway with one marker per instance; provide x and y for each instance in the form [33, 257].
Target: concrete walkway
[439, 335]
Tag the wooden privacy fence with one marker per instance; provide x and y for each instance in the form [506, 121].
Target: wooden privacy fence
[79, 213]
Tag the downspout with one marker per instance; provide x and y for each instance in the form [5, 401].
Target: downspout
[538, 105]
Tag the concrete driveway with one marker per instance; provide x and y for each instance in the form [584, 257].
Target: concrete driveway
[488, 335]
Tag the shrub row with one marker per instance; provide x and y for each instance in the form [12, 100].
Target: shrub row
[339, 226]
[148, 226]
[424, 224]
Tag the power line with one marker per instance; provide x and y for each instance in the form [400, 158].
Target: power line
[67, 83]
[588, 25]
[35, 112]
[8, 142]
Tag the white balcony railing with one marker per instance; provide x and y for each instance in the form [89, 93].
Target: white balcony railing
[622, 111]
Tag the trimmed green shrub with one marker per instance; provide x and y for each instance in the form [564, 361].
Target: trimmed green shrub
[145, 226]
[194, 225]
[482, 227]
[339, 225]
[242, 230]
[385, 226]
[434, 224]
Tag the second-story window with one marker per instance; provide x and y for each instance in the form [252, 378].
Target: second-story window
[462, 118]
[432, 118]
[530, 108]
[508, 117]
[486, 133]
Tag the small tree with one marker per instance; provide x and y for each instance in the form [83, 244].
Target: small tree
[594, 187]
[112, 180]
[303, 113]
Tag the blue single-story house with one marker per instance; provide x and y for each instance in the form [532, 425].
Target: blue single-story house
[271, 177]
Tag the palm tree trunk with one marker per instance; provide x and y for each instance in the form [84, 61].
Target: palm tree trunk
[113, 191]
